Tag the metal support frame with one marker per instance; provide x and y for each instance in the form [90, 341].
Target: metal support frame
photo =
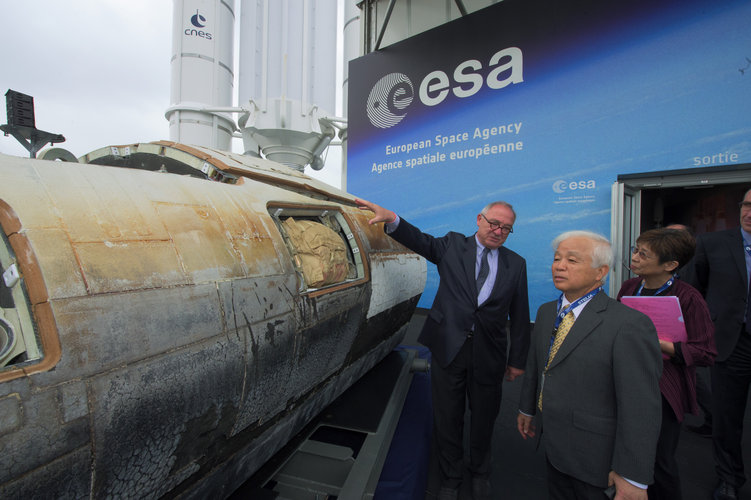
[316, 468]
[460, 6]
[389, 10]
[386, 20]
[31, 138]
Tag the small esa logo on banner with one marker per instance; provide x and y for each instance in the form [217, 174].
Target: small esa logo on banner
[574, 191]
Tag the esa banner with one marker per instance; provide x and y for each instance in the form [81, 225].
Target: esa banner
[543, 105]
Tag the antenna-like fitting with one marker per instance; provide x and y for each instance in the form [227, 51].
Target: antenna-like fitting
[20, 109]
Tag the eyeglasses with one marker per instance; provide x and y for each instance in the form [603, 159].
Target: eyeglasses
[642, 253]
[494, 226]
[745, 205]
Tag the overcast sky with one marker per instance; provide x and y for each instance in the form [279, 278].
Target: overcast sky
[99, 71]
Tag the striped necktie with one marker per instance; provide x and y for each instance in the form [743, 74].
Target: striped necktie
[560, 335]
[484, 269]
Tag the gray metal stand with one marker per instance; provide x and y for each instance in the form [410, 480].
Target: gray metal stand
[342, 453]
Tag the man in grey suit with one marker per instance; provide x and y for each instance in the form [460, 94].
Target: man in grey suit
[482, 291]
[593, 375]
[720, 270]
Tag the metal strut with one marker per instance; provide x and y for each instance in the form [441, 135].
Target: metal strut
[390, 8]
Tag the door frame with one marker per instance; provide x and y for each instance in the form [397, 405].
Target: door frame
[626, 200]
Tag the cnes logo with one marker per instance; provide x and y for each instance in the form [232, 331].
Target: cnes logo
[199, 21]
[391, 96]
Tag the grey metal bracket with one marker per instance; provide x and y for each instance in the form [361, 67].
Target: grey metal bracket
[389, 10]
[31, 138]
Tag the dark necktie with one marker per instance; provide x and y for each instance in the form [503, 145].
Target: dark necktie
[748, 309]
[484, 269]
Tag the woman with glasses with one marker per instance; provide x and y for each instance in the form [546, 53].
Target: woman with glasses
[655, 258]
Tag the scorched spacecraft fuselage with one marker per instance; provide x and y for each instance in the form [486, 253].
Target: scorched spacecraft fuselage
[170, 316]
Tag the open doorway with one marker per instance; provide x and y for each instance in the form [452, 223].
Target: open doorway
[703, 199]
[702, 209]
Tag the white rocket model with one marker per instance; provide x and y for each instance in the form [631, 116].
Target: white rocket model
[286, 90]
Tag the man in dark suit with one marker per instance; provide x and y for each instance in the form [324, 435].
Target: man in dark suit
[720, 271]
[482, 291]
[703, 373]
[592, 374]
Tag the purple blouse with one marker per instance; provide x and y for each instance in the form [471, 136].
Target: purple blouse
[678, 381]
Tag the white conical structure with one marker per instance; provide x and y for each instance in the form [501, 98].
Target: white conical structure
[286, 80]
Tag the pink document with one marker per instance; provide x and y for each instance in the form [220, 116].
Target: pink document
[665, 313]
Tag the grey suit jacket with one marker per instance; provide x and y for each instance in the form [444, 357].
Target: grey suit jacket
[601, 396]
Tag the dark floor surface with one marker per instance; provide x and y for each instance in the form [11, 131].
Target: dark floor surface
[519, 470]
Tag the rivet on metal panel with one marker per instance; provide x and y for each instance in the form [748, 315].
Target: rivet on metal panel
[11, 276]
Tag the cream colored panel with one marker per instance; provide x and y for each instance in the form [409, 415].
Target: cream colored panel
[57, 261]
[243, 218]
[38, 210]
[104, 204]
[395, 278]
[115, 267]
[202, 242]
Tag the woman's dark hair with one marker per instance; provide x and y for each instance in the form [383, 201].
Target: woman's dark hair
[669, 244]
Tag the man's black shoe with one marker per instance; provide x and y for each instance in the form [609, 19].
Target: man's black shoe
[704, 430]
[725, 491]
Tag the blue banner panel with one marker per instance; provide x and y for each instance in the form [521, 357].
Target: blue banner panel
[543, 105]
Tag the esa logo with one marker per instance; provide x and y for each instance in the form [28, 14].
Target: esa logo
[388, 100]
[561, 186]
[391, 96]
[199, 21]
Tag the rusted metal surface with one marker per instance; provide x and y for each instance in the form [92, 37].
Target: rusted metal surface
[178, 351]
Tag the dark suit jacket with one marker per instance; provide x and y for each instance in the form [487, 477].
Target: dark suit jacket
[455, 309]
[601, 407]
[718, 271]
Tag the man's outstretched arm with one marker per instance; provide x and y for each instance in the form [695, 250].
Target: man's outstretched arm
[381, 214]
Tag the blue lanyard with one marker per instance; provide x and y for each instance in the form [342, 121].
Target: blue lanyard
[564, 311]
[664, 287]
